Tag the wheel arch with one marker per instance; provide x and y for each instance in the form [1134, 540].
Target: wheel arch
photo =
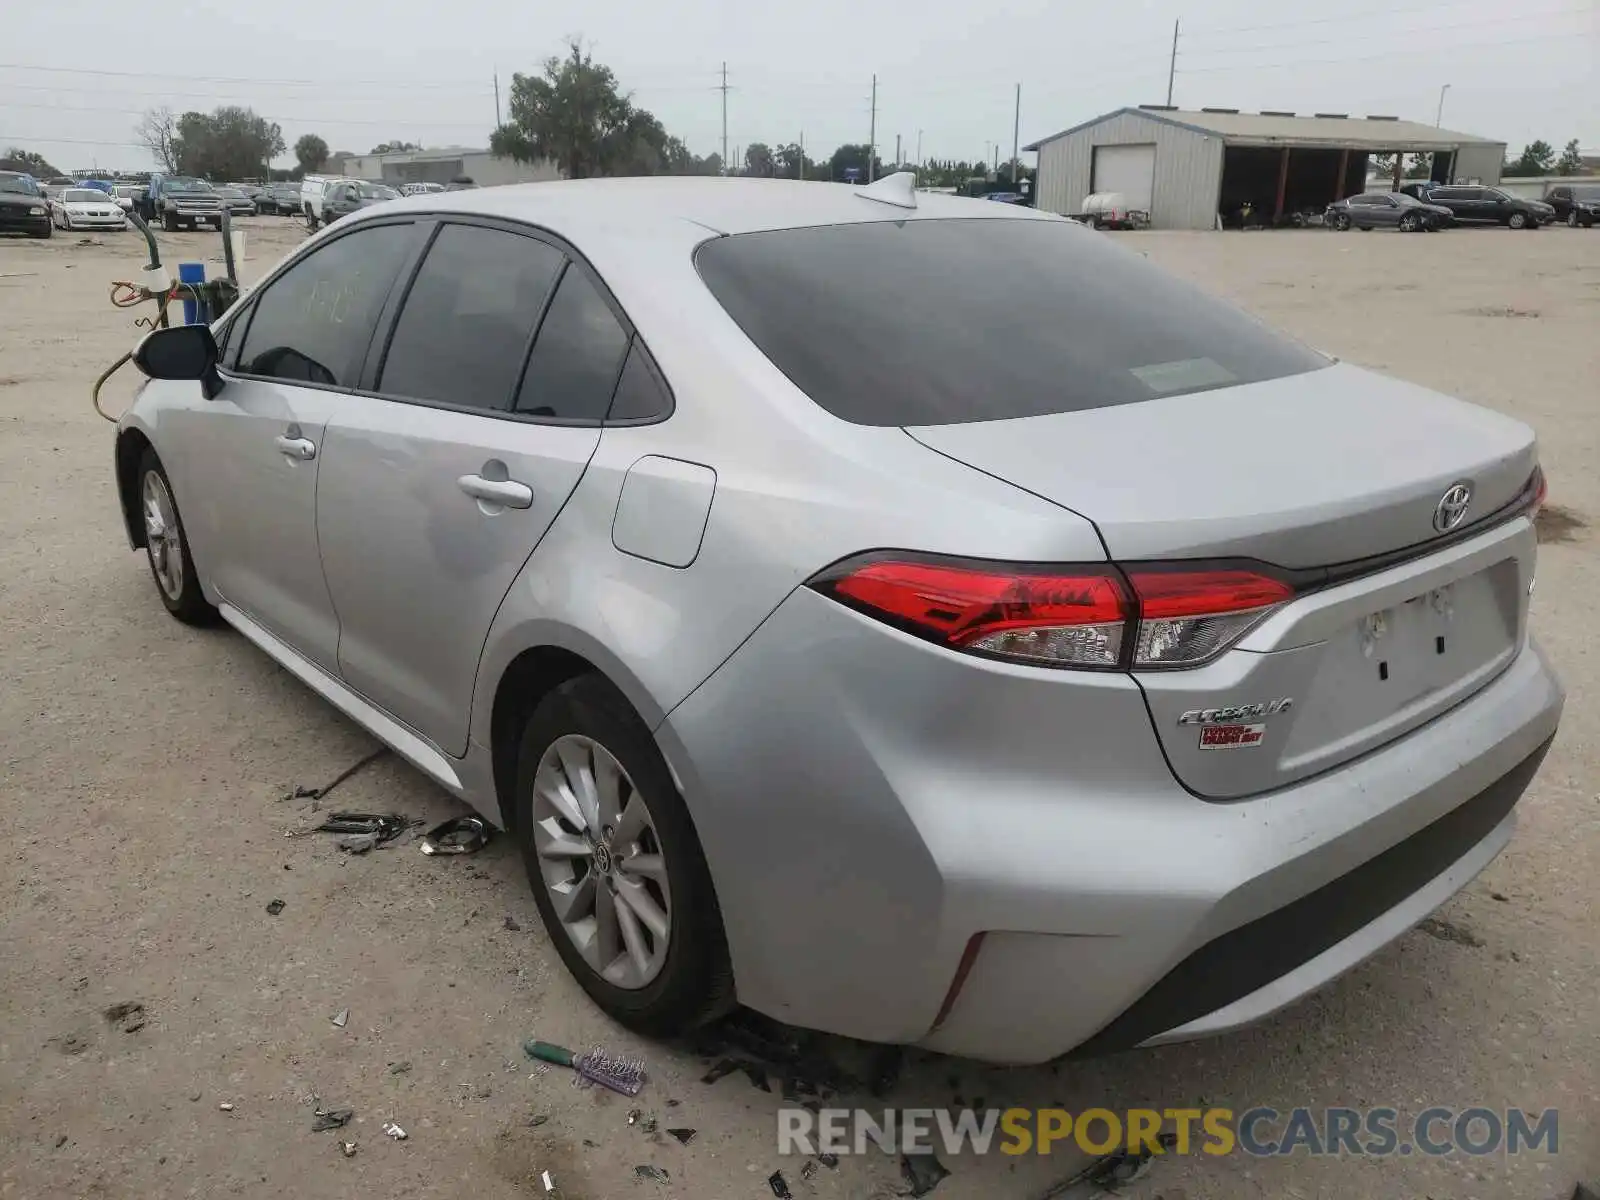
[131, 445]
[528, 677]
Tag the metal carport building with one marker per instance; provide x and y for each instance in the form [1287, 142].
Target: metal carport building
[1187, 166]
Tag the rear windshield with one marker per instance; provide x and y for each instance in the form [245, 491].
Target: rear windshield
[933, 322]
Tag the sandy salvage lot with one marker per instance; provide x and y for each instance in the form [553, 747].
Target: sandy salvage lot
[144, 768]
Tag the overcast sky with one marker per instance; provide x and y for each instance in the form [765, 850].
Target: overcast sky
[421, 70]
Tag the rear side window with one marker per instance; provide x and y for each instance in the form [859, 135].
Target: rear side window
[575, 361]
[464, 331]
[314, 322]
[929, 322]
[641, 396]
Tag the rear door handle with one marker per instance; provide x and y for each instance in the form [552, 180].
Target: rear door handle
[497, 491]
[303, 449]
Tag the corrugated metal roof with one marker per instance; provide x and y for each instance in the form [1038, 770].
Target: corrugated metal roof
[1276, 129]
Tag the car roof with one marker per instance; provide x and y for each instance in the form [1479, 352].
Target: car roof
[713, 203]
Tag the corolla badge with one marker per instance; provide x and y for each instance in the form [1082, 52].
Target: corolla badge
[1452, 507]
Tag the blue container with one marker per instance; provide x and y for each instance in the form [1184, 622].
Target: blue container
[191, 273]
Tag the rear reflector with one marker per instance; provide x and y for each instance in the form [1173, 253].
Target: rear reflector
[1089, 617]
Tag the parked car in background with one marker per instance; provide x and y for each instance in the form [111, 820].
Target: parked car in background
[461, 183]
[284, 199]
[313, 188]
[1474, 204]
[1575, 203]
[127, 195]
[420, 189]
[240, 203]
[1104, 688]
[57, 184]
[1387, 210]
[87, 208]
[352, 195]
[181, 202]
[24, 208]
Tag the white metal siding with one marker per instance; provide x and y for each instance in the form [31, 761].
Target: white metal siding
[1130, 170]
[1188, 170]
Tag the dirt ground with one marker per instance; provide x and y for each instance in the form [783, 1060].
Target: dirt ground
[145, 767]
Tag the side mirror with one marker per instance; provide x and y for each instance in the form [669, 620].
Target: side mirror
[182, 352]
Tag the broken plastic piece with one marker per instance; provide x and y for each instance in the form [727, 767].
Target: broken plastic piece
[330, 1118]
[656, 1174]
[127, 1015]
[394, 1131]
[348, 1149]
[923, 1172]
[549, 1184]
[684, 1136]
[808, 1168]
[341, 1018]
[358, 843]
[274, 907]
[460, 835]
[633, 1116]
[226, 1106]
[779, 1186]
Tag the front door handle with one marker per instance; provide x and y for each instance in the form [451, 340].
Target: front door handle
[303, 449]
[497, 491]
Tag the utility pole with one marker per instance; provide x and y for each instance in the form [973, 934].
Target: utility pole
[1016, 129]
[1439, 119]
[724, 91]
[802, 156]
[497, 99]
[919, 147]
[897, 152]
[872, 135]
[1172, 63]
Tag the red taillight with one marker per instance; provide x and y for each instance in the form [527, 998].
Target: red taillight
[1540, 490]
[1085, 617]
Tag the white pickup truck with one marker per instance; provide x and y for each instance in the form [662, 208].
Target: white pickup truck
[312, 188]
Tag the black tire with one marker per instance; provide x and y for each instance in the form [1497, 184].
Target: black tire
[695, 984]
[1408, 224]
[1342, 223]
[169, 222]
[48, 231]
[1364, 228]
[189, 605]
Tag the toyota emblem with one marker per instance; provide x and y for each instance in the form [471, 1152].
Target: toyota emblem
[1452, 507]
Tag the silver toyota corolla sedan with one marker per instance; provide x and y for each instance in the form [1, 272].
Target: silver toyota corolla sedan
[913, 618]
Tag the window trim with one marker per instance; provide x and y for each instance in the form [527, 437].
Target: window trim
[254, 302]
[389, 319]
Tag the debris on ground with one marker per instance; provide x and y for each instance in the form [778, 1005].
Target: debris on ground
[69, 1043]
[61, 1140]
[511, 924]
[1107, 1173]
[779, 1186]
[923, 1172]
[226, 1106]
[886, 1070]
[808, 1168]
[399, 1068]
[331, 1118]
[655, 1174]
[393, 1130]
[548, 1183]
[317, 793]
[341, 1018]
[348, 1149]
[1449, 931]
[763, 1049]
[126, 1015]
[459, 835]
[274, 907]
[831, 1161]
[1500, 896]
[357, 843]
[684, 1136]
[537, 1120]
[624, 1075]
[1585, 1192]
[365, 831]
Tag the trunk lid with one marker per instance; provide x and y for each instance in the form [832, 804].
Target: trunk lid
[1312, 471]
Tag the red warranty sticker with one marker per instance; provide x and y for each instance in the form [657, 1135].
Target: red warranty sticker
[1231, 737]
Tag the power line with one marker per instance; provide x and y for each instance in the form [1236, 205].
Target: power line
[390, 122]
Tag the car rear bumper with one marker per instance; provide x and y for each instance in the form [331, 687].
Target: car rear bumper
[870, 804]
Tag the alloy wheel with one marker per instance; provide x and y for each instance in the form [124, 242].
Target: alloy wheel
[163, 538]
[601, 861]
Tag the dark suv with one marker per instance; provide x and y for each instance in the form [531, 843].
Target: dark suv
[348, 196]
[1575, 203]
[1473, 204]
[23, 207]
